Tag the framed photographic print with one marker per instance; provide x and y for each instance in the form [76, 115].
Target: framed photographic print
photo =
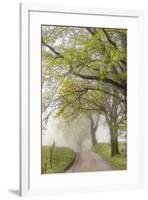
[81, 99]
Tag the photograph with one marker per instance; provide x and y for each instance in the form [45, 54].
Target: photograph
[83, 99]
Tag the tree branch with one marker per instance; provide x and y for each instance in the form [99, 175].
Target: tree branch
[123, 61]
[57, 54]
[109, 39]
[92, 32]
[106, 80]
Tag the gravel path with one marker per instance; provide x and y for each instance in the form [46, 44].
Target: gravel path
[89, 161]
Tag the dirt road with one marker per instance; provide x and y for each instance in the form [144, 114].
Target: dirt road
[89, 161]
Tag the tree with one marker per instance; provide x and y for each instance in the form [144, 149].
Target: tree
[115, 114]
[93, 128]
[83, 66]
[89, 54]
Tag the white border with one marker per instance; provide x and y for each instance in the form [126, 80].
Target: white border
[31, 17]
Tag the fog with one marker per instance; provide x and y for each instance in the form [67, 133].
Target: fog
[75, 134]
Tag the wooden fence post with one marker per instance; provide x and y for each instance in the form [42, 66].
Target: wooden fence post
[51, 151]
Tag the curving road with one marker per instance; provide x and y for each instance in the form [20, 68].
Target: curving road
[89, 161]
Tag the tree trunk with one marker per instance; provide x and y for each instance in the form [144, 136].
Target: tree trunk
[93, 137]
[114, 144]
[93, 129]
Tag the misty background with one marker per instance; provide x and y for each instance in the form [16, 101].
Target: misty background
[74, 134]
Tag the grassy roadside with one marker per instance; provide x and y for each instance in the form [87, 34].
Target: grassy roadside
[118, 162]
[63, 158]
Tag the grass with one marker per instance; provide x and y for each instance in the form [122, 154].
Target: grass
[63, 158]
[118, 162]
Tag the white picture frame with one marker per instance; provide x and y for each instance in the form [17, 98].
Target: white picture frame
[31, 180]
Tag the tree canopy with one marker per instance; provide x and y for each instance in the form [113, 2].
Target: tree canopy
[80, 66]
